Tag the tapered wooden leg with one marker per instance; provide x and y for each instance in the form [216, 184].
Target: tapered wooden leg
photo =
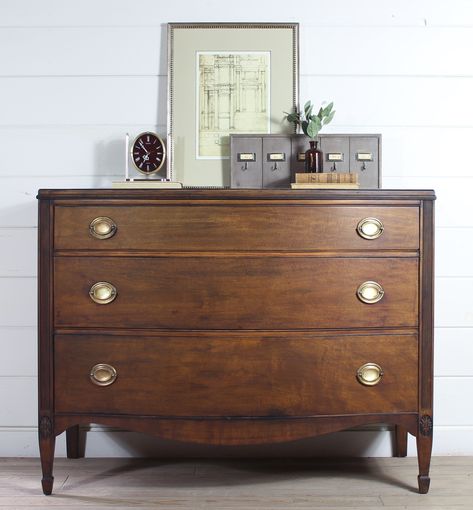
[75, 442]
[400, 441]
[424, 452]
[47, 442]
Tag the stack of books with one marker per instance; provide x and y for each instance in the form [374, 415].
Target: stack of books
[330, 180]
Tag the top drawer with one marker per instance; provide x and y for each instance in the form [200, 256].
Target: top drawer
[239, 227]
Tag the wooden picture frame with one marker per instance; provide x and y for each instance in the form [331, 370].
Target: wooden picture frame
[226, 78]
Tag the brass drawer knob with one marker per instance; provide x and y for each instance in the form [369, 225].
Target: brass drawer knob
[370, 228]
[103, 374]
[102, 293]
[370, 292]
[369, 374]
[102, 227]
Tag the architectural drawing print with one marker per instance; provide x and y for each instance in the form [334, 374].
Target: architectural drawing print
[233, 97]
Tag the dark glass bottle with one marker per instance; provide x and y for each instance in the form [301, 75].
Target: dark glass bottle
[314, 160]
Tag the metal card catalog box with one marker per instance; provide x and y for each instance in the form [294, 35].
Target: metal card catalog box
[271, 161]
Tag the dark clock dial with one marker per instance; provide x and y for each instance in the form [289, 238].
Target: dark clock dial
[148, 153]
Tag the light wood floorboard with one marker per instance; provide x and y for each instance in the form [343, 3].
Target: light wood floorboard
[122, 484]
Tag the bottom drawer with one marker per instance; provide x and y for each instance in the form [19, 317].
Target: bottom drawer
[236, 375]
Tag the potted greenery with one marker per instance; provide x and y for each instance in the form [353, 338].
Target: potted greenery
[311, 125]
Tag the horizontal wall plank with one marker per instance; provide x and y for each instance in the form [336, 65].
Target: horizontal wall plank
[396, 51]
[453, 302]
[451, 401]
[77, 150]
[453, 205]
[98, 150]
[70, 51]
[320, 13]
[23, 442]
[123, 100]
[394, 101]
[18, 252]
[453, 352]
[19, 207]
[18, 401]
[453, 252]
[18, 352]
[18, 302]
[449, 392]
[141, 50]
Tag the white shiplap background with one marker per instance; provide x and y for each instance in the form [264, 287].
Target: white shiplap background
[75, 76]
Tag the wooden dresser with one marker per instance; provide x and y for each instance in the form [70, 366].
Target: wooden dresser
[235, 316]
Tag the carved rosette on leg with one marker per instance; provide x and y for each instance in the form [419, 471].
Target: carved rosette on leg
[47, 441]
[424, 451]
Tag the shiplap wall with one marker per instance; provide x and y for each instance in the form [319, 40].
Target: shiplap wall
[76, 75]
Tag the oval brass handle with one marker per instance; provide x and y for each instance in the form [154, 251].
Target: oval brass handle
[369, 374]
[102, 293]
[370, 228]
[370, 292]
[102, 227]
[103, 374]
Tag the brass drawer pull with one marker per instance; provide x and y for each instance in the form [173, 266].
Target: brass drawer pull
[102, 293]
[103, 374]
[102, 227]
[370, 228]
[369, 374]
[370, 292]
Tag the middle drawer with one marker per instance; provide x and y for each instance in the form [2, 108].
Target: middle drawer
[281, 292]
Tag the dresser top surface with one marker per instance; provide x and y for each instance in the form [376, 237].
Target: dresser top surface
[235, 194]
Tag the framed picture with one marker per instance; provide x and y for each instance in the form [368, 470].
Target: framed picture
[226, 78]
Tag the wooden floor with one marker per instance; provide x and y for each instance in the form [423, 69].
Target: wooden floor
[122, 484]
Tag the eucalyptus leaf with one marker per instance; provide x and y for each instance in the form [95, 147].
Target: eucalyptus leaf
[310, 123]
[329, 118]
[304, 125]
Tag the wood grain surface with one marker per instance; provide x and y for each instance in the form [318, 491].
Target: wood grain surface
[256, 376]
[217, 227]
[235, 293]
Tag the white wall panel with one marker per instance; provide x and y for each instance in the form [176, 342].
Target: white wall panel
[453, 352]
[68, 51]
[75, 76]
[124, 100]
[394, 101]
[19, 357]
[17, 303]
[19, 207]
[22, 409]
[68, 150]
[125, 50]
[453, 302]
[85, 150]
[449, 409]
[420, 13]
[383, 101]
[453, 255]
[18, 252]
[397, 51]
[453, 207]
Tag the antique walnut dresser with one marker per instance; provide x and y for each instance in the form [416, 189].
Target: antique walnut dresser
[235, 316]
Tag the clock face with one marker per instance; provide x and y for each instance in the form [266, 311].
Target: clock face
[148, 153]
